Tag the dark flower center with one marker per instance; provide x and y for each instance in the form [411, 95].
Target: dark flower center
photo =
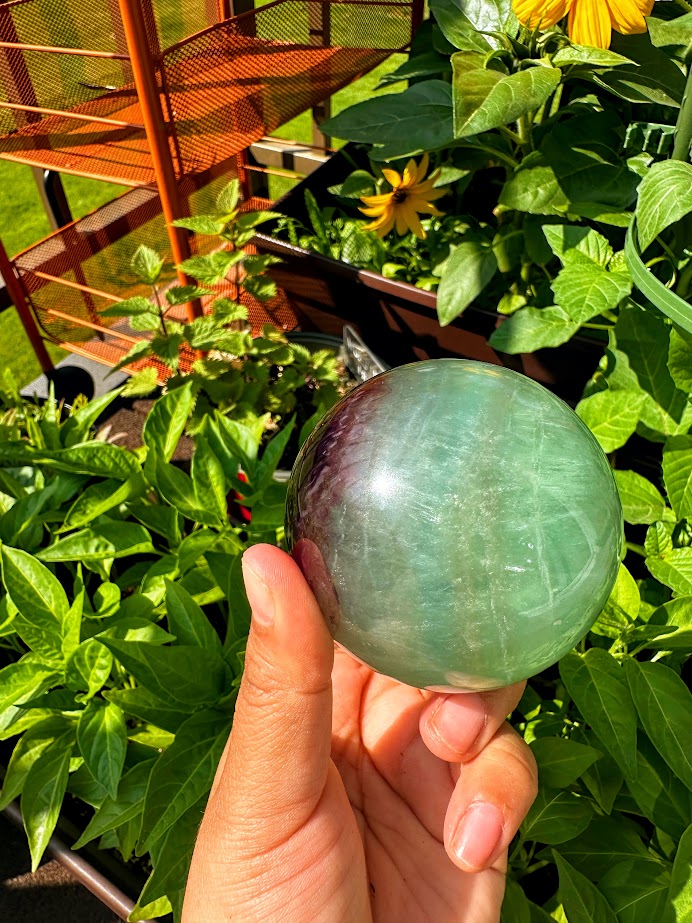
[399, 196]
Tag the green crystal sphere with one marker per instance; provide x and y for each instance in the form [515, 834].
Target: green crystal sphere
[458, 523]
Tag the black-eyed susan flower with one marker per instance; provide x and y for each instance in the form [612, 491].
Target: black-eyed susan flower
[411, 195]
[590, 22]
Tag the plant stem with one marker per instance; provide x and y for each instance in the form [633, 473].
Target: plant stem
[683, 128]
[638, 549]
[162, 322]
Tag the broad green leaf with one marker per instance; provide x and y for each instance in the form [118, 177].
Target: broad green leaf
[212, 267]
[570, 241]
[677, 31]
[272, 455]
[187, 620]
[113, 812]
[177, 488]
[530, 329]
[166, 421]
[100, 459]
[641, 501]
[664, 705]
[147, 264]
[173, 855]
[605, 842]
[658, 541]
[42, 796]
[534, 188]
[108, 539]
[40, 599]
[486, 99]
[129, 307]
[556, 816]
[674, 570]
[88, 668]
[469, 269]
[147, 707]
[141, 383]
[102, 740]
[665, 197]
[560, 761]
[676, 614]
[183, 773]
[680, 359]
[603, 778]
[515, 906]
[419, 119]
[680, 891]
[209, 480]
[585, 290]
[612, 416]
[573, 55]
[27, 750]
[597, 685]
[98, 499]
[77, 427]
[582, 901]
[658, 793]
[463, 21]
[637, 889]
[622, 607]
[159, 518]
[187, 675]
[677, 475]
[654, 77]
[643, 339]
[193, 546]
[159, 908]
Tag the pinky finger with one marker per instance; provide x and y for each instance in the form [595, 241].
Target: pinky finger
[492, 796]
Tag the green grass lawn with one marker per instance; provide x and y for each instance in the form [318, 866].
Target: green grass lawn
[23, 220]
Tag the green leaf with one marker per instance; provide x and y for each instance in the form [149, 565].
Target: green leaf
[183, 773]
[79, 424]
[201, 224]
[193, 546]
[166, 421]
[573, 55]
[469, 269]
[419, 119]
[108, 539]
[158, 518]
[141, 383]
[674, 570]
[585, 290]
[644, 337]
[114, 812]
[89, 667]
[130, 307]
[102, 740]
[605, 842]
[641, 502]
[582, 901]
[147, 264]
[25, 679]
[43, 794]
[100, 459]
[604, 778]
[680, 891]
[98, 499]
[677, 475]
[637, 890]
[680, 359]
[487, 99]
[534, 188]
[40, 599]
[569, 242]
[173, 855]
[176, 487]
[27, 750]
[622, 607]
[556, 816]
[560, 761]
[147, 707]
[209, 480]
[530, 329]
[143, 322]
[612, 416]
[213, 267]
[657, 791]
[187, 620]
[665, 197]
[187, 675]
[597, 685]
[677, 31]
[515, 906]
[271, 456]
[664, 705]
[658, 541]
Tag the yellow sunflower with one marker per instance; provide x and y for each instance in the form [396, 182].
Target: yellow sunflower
[411, 195]
[590, 21]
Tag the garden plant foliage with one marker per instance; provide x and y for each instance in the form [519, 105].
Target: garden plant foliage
[122, 612]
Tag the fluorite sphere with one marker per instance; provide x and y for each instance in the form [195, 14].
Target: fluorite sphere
[458, 523]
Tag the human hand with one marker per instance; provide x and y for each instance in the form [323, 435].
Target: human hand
[344, 796]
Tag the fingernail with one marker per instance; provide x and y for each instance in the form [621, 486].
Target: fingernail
[259, 595]
[477, 838]
[458, 721]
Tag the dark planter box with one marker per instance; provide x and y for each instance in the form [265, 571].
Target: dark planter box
[398, 321]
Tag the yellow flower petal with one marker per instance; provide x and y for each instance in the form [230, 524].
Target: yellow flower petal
[626, 17]
[541, 13]
[423, 168]
[410, 175]
[372, 200]
[382, 226]
[645, 6]
[392, 178]
[589, 23]
[427, 209]
[374, 211]
[413, 221]
[401, 222]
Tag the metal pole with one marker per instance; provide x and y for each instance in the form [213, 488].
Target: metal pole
[16, 292]
[147, 90]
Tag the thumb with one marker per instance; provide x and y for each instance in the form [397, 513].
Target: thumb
[279, 749]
